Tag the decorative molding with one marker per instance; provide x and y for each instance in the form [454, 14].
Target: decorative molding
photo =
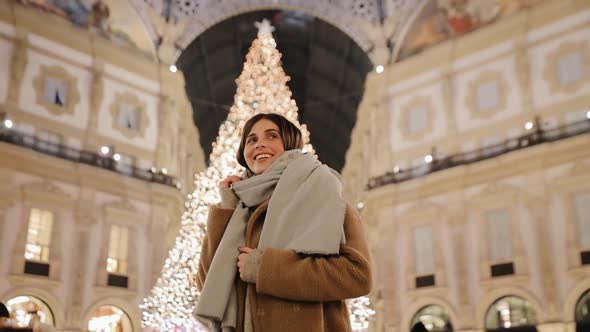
[6, 201]
[96, 96]
[579, 169]
[124, 213]
[139, 107]
[493, 192]
[61, 74]
[48, 194]
[422, 210]
[169, 134]
[551, 72]
[523, 73]
[472, 99]
[33, 280]
[52, 125]
[404, 117]
[123, 205]
[45, 186]
[95, 140]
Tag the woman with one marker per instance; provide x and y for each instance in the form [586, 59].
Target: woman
[283, 250]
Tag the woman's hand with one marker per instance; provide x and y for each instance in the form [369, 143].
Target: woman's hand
[228, 181]
[244, 252]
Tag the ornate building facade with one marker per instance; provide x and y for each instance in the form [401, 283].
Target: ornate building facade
[469, 159]
[97, 154]
[471, 162]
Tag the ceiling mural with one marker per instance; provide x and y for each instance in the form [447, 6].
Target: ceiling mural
[113, 19]
[387, 30]
[164, 28]
[439, 20]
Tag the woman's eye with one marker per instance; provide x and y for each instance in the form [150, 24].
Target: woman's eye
[250, 140]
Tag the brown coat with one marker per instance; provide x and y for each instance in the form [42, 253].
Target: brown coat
[295, 292]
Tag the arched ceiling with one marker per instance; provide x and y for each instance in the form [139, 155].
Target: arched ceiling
[327, 70]
[328, 47]
[372, 24]
[123, 17]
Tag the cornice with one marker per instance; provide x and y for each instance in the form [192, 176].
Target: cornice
[483, 172]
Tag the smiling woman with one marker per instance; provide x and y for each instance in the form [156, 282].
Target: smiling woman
[263, 146]
[327, 71]
[266, 137]
[302, 251]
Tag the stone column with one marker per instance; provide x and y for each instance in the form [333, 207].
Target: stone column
[74, 319]
[448, 93]
[537, 207]
[457, 227]
[18, 64]
[523, 73]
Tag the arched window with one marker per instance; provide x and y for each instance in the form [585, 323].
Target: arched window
[434, 318]
[582, 314]
[108, 318]
[27, 309]
[511, 313]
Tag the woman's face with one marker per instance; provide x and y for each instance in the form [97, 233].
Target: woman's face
[263, 145]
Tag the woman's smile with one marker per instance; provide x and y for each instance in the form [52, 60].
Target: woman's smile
[263, 146]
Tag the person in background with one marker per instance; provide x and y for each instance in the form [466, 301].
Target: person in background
[38, 326]
[4, 316]
[419, 327]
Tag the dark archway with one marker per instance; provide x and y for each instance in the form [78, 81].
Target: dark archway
[26, 308]
[582, 313]
[431, 318]
[327, 70]
[511, 313]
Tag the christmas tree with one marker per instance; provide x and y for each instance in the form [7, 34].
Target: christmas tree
[261, 88]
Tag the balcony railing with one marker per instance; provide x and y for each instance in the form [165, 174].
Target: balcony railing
[536, 137]
[84, 157]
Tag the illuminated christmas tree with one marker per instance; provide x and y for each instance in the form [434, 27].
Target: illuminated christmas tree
[261, 88]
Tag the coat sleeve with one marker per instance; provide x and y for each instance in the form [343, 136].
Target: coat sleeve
[216, 223]
[286, 274]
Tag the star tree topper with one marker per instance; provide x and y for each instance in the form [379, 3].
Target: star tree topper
[264, 27]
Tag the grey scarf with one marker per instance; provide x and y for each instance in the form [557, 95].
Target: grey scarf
[305, 213]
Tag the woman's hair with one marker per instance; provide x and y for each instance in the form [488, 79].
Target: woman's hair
[290, 134]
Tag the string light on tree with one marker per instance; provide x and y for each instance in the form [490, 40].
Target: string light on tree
[261, 88]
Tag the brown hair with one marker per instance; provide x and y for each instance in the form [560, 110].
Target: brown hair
[290, 134]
